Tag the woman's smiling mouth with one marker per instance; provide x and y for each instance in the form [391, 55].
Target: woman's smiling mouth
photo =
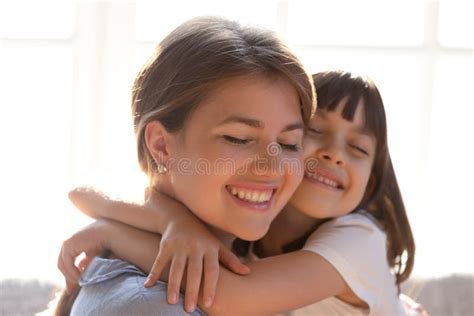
[255, 197]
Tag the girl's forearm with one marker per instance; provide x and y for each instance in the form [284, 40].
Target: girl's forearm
[136, 246]
[155, 215]
[275, 285]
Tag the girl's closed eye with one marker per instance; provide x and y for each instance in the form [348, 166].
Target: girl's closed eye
[360, 149]
[315, 131]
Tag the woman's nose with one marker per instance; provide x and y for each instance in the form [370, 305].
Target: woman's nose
[268, 161]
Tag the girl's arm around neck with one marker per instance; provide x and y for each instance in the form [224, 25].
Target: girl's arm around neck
[275, 285]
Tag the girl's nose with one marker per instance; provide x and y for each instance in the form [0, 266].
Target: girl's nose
[331, 155]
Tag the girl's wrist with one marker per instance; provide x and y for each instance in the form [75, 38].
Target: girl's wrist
[105, 233]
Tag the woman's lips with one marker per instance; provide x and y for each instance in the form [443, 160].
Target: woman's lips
[253, 196]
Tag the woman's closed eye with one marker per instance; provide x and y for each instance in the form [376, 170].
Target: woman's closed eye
[244, 141]
[236, 140]
[290, 147]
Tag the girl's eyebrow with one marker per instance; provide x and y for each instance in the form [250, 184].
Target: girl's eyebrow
[257, 124]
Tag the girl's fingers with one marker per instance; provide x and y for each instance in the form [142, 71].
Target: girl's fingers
[174, 280]
[211, 274]
[157, 268]
[193, 281]
[85, 261]
[232, 262]
[67, 267]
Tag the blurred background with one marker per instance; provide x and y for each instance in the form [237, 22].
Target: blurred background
[66, 70]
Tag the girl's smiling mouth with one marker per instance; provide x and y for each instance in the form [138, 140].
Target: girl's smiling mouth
[325, 178]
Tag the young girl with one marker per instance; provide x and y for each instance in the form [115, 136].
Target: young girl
[360, 247]
[210, 83]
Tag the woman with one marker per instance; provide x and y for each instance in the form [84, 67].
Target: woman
[208, 82]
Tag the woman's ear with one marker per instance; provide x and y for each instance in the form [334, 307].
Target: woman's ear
[157, 140]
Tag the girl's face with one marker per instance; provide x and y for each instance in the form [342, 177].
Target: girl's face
[223, 165]
[338, 161]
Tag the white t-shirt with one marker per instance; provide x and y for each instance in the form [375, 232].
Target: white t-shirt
[356, 246]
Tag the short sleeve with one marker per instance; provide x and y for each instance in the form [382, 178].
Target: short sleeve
[356, 247]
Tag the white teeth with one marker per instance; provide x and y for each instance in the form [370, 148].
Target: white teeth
[255, 196]
[248, 196]
[324, 180]
[252, 195]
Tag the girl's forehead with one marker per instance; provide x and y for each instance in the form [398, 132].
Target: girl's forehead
[345, 110]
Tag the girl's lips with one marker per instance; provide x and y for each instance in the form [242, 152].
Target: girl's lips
[325, 178]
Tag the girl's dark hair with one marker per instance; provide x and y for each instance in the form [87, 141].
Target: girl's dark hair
[65, 302]
[383, 198]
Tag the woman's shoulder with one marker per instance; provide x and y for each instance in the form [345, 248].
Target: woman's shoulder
[115, 287]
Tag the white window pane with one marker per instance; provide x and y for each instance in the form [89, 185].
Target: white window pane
[35, 103]
[456, 23]
[154, 20]
[356, 23]
[37, 19]
[449, 171]
[450, 162]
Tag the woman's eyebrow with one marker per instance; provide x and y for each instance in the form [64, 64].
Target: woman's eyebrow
[258, 124]
[292, 127]
[243, 120]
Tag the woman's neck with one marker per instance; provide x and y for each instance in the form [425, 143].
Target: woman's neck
[225, 237]
[163, 186]
[289, 226]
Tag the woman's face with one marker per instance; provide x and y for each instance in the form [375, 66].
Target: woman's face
[238, 159]
[338, 161]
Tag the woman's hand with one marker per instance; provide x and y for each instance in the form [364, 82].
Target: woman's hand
[192, 250]
[91, 240]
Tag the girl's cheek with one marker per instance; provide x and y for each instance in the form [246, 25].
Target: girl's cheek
[310, 146]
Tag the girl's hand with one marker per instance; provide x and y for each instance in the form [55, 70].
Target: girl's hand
[192, 250]
[93, 203]
[91, 240]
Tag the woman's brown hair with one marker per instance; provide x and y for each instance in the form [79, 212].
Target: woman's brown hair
[383, 198]
[190, 63]
[198, 56]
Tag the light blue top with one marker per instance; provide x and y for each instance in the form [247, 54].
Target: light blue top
[115, 287]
